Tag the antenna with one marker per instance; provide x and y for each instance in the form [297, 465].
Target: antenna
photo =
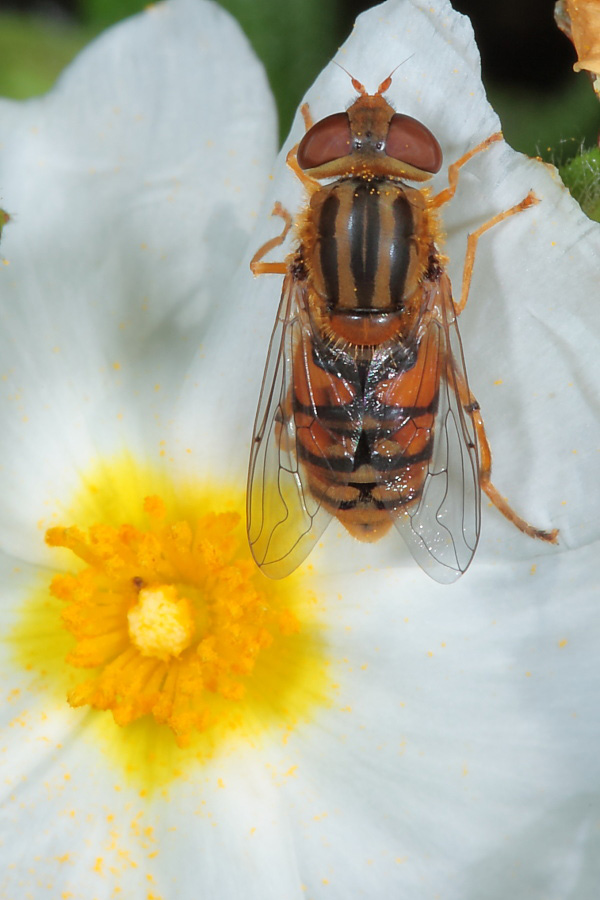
[358, 87]
[384, 86]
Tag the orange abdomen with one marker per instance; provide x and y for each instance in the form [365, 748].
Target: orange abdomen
[365, 430]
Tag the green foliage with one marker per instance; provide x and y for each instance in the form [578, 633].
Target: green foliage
[295, 39]
[102, 13]
[34, 51]
[552, 126]
[582, 176]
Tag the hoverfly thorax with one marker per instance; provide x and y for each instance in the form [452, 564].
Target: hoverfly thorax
[368, 140]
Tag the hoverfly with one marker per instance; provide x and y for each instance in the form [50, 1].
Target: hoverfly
[365, 412]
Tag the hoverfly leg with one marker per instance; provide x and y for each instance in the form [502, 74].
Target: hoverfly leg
[308, 119]
[494, 495]
[261, 268]
[551, 537]
[310, 184]
[526, 202]
[258, 267]
[453, 170]
[472, 408]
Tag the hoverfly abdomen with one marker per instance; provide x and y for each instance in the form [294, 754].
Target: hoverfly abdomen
[327, 402]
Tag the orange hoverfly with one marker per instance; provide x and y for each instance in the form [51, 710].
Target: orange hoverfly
[365, 413]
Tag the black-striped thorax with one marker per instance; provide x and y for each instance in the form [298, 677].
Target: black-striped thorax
[366, 243]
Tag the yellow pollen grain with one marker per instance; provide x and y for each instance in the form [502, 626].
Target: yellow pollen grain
[165, 623]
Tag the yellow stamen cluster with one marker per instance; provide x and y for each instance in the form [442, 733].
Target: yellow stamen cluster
[171, 616]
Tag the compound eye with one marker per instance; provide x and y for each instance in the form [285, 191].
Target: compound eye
[411, 142]
[326, 140]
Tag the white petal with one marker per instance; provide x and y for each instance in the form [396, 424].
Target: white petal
[459, 756]
[132, 186]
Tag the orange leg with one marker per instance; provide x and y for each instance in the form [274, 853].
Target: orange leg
[447, 194]
[471, 407]
[262, 268]
[306, 115]
[529, 200]
[470, 404]
[497, 499]
[311, 185]
[453, 170]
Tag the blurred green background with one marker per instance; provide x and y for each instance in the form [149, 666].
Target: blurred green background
[546, 109]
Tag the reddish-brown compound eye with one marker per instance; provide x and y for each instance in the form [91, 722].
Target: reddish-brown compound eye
[326, 140]
[411, 142]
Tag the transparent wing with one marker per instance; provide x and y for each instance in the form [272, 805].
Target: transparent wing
[441, 527]
[299, 456]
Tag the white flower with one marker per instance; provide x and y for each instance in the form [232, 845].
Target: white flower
[403, 739]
